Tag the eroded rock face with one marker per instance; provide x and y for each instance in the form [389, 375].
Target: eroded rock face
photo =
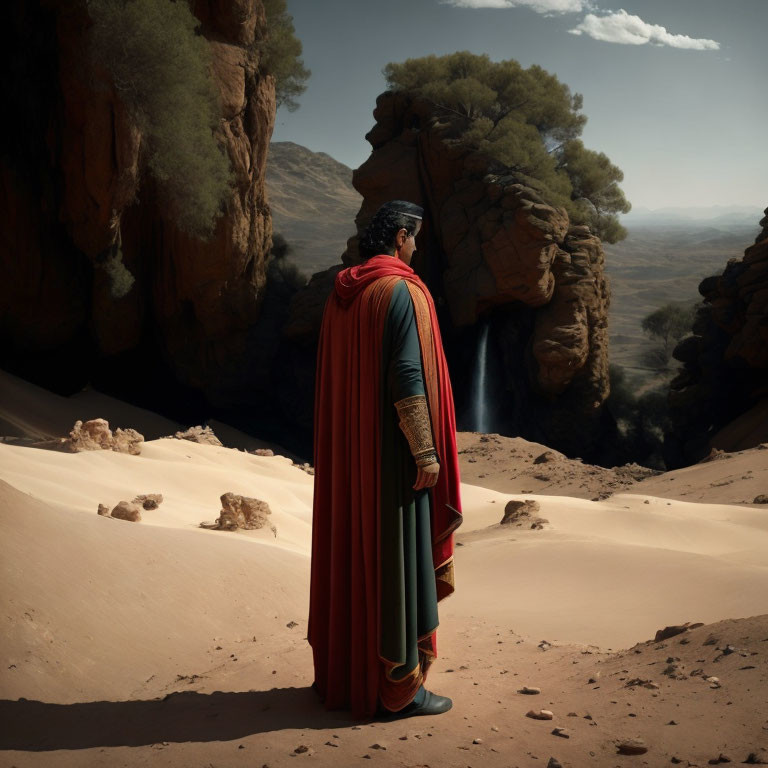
[70, 186]
[720, 398]
[95, 435]
[492, 252]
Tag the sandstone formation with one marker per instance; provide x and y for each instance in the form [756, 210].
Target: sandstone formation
[523, 514]
[75, 195]
[95, 435]
[243, 512]
[199, 434]
[493, 253]
[720, 398]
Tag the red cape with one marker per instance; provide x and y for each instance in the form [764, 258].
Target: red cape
[345, 584]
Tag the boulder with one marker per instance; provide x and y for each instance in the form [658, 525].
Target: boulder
[126, 510]
[95, 435]
[243, 512]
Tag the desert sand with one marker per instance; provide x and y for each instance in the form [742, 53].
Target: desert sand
[162, 643]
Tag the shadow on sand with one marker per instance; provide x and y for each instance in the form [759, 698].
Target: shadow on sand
[37, 726]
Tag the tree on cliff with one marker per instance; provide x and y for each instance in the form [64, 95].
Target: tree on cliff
[160, 68]
[280, 51]
[527, 120]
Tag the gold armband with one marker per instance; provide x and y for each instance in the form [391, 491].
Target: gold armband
[416, 426]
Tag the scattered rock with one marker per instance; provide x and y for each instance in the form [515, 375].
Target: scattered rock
[720, 759]
[554, 763]
[266, 452]
[530, 690]
[477, 741]
[631, 747]
[757, 758]
[149, 500]
[103, 510]
[198, 434]
[539, 714]
[761, 499]
[125, 510]
[377, 746]
[562, 732]
[301, 749]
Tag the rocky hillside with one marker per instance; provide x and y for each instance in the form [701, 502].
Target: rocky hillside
[313, 204]
[720, 398]
[76, 196]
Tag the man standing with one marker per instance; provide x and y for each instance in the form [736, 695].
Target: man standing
[386, 499]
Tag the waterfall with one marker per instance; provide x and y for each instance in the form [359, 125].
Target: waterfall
[480, 384]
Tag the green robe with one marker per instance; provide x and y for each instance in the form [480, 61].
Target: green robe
[409, 596]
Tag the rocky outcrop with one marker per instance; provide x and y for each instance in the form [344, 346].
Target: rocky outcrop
[95, 435]
[492, 253]
[204, 435]
[242, 512]
[720, 397]
[75, 196]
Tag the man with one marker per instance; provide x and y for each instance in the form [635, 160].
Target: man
[386, 497]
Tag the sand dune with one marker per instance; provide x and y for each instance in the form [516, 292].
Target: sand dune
[158, 640]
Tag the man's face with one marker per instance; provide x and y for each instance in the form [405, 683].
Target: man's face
[407, 244]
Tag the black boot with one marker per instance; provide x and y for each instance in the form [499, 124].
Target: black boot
[424, 703]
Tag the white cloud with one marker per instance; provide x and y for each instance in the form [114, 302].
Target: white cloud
[548, 7]
[622, 27]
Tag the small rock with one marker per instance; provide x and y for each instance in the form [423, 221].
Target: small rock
[631, 747]
[720, 759]
[301, 749]
[477, 741]
[103, 510]
[546, 458]
[553, 763]
[761, 499]
[149, 500]
[530, 690]
[377, 746]
[330, 744]
[266, 452]
[127, 511]
[539, 714]
[562, 732]
[291, 624]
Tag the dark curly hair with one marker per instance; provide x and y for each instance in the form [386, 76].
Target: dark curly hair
[379, 235]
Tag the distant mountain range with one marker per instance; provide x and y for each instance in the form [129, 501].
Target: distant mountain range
[313, 204]
[667, 253]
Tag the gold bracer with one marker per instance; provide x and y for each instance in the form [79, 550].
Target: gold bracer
[415, 423]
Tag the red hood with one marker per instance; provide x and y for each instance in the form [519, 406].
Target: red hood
[350, 281]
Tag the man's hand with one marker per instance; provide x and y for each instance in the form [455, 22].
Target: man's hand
[427, 476]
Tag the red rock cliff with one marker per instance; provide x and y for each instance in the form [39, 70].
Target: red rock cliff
[73, 191]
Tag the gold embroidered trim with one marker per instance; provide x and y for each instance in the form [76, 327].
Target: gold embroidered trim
[415, 423]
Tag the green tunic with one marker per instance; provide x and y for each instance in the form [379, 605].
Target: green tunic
[408, 592]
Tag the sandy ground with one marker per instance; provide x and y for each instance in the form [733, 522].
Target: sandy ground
[161, 643]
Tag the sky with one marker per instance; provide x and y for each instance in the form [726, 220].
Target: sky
[674, 90]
